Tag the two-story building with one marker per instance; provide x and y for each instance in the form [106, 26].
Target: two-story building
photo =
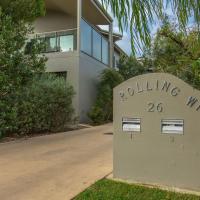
[76, 47]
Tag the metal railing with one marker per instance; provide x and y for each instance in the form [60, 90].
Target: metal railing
[59, 41]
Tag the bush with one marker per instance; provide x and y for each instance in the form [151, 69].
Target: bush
[44, 105]
[102, 111]
[16, 67]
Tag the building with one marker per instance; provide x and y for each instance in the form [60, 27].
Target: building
[77, 47]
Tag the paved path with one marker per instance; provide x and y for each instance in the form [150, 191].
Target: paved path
[55, 167]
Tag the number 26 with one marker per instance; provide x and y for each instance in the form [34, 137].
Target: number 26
[152, 107]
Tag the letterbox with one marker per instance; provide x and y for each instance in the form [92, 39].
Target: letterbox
[157, 131]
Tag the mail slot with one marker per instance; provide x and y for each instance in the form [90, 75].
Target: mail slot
[172, 126]
[131, 125]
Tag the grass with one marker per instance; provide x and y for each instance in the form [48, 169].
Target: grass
[111, 190]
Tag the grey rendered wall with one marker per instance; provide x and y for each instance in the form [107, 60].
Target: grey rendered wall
[82, 73]
[61, 61]
[54, 21]
[66, 62]
[90, 70]
[151, 157]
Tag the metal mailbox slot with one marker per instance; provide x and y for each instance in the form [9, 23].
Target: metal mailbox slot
[171, 126]
[131, 125]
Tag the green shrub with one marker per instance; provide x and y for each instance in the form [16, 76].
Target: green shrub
[102, 111]
[44, 105]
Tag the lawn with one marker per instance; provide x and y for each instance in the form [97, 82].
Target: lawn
[111, 190]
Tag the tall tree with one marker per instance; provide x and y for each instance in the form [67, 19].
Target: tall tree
[16, 67]
[176, 53]
[131, 66]
[138, 15]
[23, 10]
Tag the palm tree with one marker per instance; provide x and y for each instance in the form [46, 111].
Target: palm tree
[138, 15]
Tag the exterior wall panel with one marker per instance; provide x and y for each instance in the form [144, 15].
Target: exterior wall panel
[90, 70]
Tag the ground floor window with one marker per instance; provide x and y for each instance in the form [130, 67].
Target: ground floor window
[61, 74]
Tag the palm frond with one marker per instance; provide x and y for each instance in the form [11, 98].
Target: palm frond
[137, 16]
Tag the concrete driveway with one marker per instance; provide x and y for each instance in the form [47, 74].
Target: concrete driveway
[55, 167]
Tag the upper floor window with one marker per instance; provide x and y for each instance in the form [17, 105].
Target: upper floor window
[51, 43]
[66, 43]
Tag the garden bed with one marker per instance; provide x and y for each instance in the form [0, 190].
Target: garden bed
[14, 137]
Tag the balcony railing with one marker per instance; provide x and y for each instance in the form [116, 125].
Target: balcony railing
[93, 43]
[59, 41]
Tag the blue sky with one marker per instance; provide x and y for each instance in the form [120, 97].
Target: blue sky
[125, 42]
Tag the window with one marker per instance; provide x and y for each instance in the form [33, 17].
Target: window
[86, 38]
[61, 75]
[171, 126]
[96, 45]
[66, 43]
[41, 39]
[131, 124]
[116, 60]
[105, 57]
[51, 43]
[29, 46]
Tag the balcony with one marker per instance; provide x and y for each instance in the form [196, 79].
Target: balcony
[59, 41]
[93, 43]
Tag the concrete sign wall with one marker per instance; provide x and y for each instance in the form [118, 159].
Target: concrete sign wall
[157, 131]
